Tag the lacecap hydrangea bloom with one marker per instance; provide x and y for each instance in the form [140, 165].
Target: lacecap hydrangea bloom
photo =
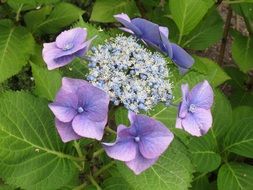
[80, 110]
[141, 144]
[68, 45]
[130, 74]
[157, 37]
[194, 114]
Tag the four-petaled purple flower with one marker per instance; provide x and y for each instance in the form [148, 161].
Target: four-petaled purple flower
[157, 37]
[68, 45]
[140, 145]
[80, 109]
[194, 114]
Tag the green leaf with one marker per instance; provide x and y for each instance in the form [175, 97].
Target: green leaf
[121, 116]
[36, 57]
[242, 52]
[45, 21]
[16, 45]
[47, 83]
[115, 183]
[166, 115]
[76, 69]
[214, 73]
[200, 183]
[244, 112]
[245, 10]
[24, 5]
[208, 32]
[33, 18]
[203, 69]
[103, 11]
[222, 115]
[187, 14]
[240, 95]
[4, 186]
[235, 176]
[239, 140]
[173, 170]
[204, 153]
[31, 152]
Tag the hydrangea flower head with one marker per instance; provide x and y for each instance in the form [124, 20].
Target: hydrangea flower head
[80, 109]
[157, 37]
[194, 114]
[141, 144]
[130, 74]
[68, 45]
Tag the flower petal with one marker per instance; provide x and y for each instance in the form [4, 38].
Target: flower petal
[181, 57]
[179, 123]
[95, 102]
[62, 113]
[150, 31]
[76, 36]
[202, 95]
[166, 45]
[198, 123]
[125, 20]
[126, 30]
[183, 107]
[84, 127]
[154, 139]
[124, 148]
[71, 85]
[140, 164]
[65, 131]
[49, 53]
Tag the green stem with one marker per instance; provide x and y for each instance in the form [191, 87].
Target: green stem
[80, 187]
[80, 154]
[78, 149]
[180, 38]
[18, 12]
[93, 181]
[97, 153]
[104, 168]
[108, 129]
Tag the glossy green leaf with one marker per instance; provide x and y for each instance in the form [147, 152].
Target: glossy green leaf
[116, 183]
[45, 21]
[121, 116]
[24, 5]
[201, 182]
[242, 52]
[245, 9]
[47, 83]
[31, 152]
[206, 33]
[204, 153]
[103, 11]
[16, 46]
[187, 14]
[236, 176]
[238, 93]
[222, 115]
[239, 140]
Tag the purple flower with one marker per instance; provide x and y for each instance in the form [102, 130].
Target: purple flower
[80, 110]
[68, 45]
[157, 37]
[194, 114]
[140, 145]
